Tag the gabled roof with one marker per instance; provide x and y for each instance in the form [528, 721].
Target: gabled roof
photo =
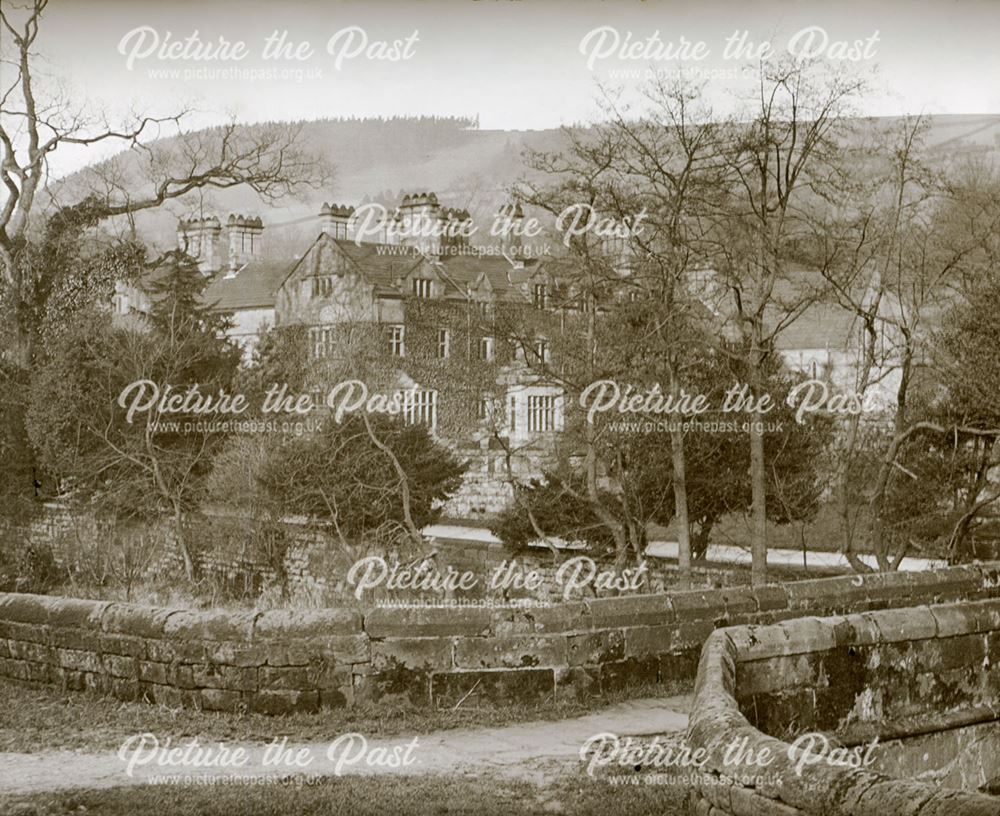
[810, 316]
[386, 266]
[470, 271]
[380, 268]
[254, 286]
[383, 265]
[822, 326]
[823, 323]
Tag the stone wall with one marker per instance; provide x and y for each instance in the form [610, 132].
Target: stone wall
[481, 496]
[896, 675]
[281, 661]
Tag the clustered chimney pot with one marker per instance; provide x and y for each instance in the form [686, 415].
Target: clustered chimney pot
[335, 220]
[244, 239]
[433, 230]
[201, 239]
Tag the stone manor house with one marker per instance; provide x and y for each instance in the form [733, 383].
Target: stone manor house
[428, 295]
[339, 281]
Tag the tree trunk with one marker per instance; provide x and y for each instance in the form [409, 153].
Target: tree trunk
[699, 541]
[845, 478]
[680, 497]
[23, 349]
[181, 540]
[758, 473]
[902, 393]
[758, 504]
[404, 482]
[22, 337]
[614, 526]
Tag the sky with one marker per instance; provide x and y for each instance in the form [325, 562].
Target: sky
[517, 64]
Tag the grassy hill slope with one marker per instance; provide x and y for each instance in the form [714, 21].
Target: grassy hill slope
[466, 166]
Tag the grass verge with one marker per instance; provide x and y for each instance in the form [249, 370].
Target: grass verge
[358, 796]
[43, 719]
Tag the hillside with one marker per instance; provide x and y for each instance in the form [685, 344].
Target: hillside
[467, 166]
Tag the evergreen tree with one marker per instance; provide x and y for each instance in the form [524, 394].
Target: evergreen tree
[156, 460]
[180, 317]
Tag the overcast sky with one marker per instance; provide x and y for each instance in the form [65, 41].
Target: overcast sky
[518, 65]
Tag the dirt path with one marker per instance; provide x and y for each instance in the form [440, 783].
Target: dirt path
[534, 751]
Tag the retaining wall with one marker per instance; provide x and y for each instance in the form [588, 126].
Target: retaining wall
[281, 661]
[921, 673]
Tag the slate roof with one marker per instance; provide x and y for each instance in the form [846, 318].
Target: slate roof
[823, 325]
[460, 272]
[253, 287]
[385, 265]
[382, 269]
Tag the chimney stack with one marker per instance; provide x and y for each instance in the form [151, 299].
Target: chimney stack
[244, 240]
[510, 218]
[456, 228]
[334, 220]
[201, 238]
[419, 222]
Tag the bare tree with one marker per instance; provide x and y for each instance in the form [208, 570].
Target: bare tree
[781, 159]
[668, 165]
[694, 181]
[578, 178]
[37, 120]
[894, 261]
